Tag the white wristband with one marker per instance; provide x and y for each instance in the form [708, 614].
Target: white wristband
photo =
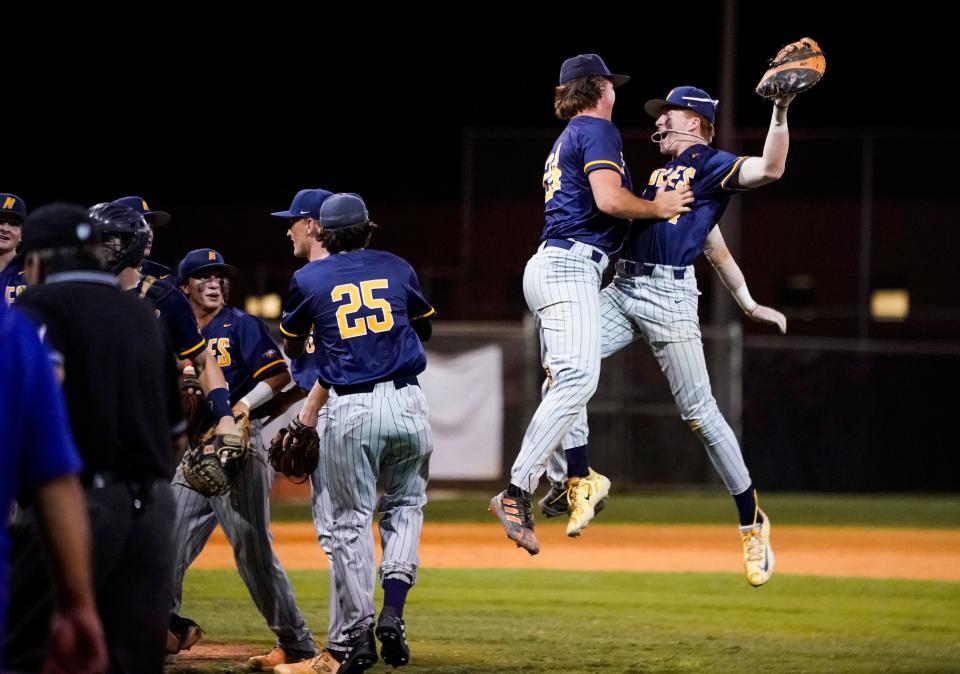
[742, 296]
[260, 394]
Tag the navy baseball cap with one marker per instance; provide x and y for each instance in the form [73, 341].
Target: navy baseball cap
[343, 210]
[139, 204]
[203, 260]
[58, 225]
[305, 205]
[690, 98]
[11, 204]
[584, 65]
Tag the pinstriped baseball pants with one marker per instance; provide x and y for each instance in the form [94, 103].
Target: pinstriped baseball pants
[244, 515]
[562, 289]
[385, 436]
[663, 310]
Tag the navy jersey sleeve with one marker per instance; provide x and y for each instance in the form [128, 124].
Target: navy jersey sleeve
[722, 170]
[417, 305]
[260, 353]
[177, 317]
[46, 430]
[602, 149]
[297, 316]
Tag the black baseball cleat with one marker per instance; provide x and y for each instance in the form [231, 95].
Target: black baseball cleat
[182, 634]
[392, 634]
[362, 655]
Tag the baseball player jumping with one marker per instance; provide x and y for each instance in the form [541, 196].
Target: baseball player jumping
[369, 319]
[588, 203]
[654, 294]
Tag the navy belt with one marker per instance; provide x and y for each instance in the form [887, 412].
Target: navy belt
[349, 389]
[631, 268]
[566, 244]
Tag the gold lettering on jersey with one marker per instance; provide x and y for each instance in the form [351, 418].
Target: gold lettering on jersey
[551, 174]
[675, 178]
[219, 347]
[356, 297]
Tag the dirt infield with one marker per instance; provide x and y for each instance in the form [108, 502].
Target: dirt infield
[928, 554]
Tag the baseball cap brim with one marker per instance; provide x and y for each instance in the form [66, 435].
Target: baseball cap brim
[289, 214]
[618, 80]
[656, 106]
[157, 218]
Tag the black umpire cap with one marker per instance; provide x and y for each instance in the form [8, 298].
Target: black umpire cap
[58, 225]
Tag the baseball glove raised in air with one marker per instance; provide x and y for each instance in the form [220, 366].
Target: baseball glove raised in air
[295, 450]
[214, 461]
[794, 69]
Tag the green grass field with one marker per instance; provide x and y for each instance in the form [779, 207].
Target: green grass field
[537, 621]
[465, 621]
[716, 507]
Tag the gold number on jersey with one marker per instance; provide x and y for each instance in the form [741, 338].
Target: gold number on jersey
[358, 296]
[551, 175]
[220, 347]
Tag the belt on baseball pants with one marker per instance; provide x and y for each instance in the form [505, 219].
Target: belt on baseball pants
[566, 244]
[369, 386]
[631, 268]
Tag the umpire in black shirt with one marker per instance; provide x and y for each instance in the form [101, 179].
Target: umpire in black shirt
[119, 380]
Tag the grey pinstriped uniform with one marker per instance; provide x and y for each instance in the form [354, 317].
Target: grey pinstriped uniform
[562, 288]
[662, 310]
[244, 515]
[385, 436]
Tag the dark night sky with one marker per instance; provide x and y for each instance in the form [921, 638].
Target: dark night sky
[214, 115]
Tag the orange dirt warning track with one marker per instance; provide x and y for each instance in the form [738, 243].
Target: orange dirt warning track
[919, 554]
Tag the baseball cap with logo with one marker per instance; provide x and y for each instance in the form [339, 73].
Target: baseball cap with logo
[139, 204]
[12, 205]
[690, 98]
[203, 260]
[58, 225]
[584, 65]
[343, 210]
[305, 205]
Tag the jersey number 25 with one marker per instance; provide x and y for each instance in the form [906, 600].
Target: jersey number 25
[358, 296]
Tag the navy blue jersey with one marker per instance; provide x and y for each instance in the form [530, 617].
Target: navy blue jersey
[12, 282]
[587, 144]
[305, 368]
[360, 304]
[244, 350]
[679, 241]
[157, 270]
[173, 310]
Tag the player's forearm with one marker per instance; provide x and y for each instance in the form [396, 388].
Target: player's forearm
[316, 399]
[757, 171]
[63, 520]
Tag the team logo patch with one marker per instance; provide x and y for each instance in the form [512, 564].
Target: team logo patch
[270, 354]
[8, 202]
[211, 255]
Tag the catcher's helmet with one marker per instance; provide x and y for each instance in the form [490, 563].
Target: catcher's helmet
[116, 220]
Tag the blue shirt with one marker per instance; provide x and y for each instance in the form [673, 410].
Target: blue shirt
[360, 304]
[587, 144]
[12, 282]
[37, 443]
[680, 240]
[244, 350]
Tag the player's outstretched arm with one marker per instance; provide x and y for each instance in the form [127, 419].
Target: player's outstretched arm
[316, 399]
[211, 378]
[613, 200]
[758, 171]
[733, 280]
